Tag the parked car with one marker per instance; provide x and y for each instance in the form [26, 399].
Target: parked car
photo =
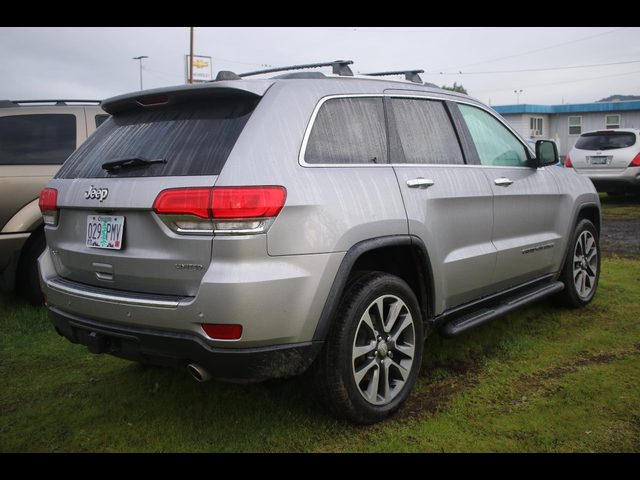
[36, 137]
[610, 158]
[248, 230]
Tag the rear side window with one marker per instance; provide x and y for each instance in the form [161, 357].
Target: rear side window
[426, 133]
[193, 139]
[100, 119]
[349, 131]
[37, 139]
[606, 141]
[496, 145]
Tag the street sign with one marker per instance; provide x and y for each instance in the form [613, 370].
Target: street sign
[202, 69]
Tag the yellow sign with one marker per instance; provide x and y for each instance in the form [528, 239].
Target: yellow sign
[202, 69]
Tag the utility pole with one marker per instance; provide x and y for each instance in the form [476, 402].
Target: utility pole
[191, 58]
[141, 69]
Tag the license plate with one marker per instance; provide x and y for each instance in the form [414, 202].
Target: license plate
[599, 160]
[105, 232]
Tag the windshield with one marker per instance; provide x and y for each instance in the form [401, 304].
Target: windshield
[194, 138]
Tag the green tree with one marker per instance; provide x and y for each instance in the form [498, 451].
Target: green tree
[456, 88]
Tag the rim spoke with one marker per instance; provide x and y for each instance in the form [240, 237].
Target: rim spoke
[364, 350]
[363, 371]
[367, 322]
[394, 312]
[386, 381]
[407, 350]
[404, 373]
[374, 387]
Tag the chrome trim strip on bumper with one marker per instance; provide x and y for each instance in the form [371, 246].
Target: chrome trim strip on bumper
[112, 296]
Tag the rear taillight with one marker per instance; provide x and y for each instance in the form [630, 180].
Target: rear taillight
[49, 206]
[223, 211]
[568, 163]
[636, 162]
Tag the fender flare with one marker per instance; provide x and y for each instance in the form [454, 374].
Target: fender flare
[350, 259]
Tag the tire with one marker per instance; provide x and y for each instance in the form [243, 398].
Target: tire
[581, 273]
[28, 278]
[370, 361]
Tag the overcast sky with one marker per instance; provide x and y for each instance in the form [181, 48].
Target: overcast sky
[551, 65]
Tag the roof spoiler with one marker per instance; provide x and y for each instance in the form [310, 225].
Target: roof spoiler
[175, 95]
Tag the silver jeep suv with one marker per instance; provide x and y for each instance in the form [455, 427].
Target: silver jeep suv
[255, 229]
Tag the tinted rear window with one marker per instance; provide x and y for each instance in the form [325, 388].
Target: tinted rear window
[37, 139]
[349, 131]
[426, 133]
[606, 141]
[195, 138]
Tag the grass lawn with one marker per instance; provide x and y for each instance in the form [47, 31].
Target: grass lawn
[540, 380]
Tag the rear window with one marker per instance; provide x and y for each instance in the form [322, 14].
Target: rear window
[37, 139]
[194, 139]
[349, 131]
[606, 141]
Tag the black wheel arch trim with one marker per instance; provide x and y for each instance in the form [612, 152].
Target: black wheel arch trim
[425, 273]
[574, 223]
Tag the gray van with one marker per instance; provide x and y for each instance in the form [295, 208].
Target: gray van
[251, 229]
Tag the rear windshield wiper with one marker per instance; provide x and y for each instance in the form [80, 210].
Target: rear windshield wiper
[130, 162]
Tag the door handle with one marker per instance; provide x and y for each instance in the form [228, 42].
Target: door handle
[503, 182]
[421, 183]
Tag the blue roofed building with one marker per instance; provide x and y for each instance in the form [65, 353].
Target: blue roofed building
[565, 123]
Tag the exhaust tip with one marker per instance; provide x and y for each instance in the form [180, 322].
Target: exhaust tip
[199, 373]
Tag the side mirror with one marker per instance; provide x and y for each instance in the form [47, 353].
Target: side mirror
[546, 153]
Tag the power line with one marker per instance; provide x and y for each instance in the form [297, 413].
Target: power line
[543, 69]
[532, 52]
[368, 30]
[562, 83]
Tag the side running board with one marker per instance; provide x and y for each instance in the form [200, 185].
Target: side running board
[470, 322]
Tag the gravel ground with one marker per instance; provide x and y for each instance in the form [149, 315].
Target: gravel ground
[621, 226]
[621, 237]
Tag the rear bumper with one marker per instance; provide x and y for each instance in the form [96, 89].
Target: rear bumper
[627, 181]
[178, 350]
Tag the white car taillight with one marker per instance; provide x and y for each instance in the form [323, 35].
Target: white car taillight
[220, 211]
[49, 206]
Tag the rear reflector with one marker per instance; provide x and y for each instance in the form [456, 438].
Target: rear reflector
[223, 332]
[49, 206]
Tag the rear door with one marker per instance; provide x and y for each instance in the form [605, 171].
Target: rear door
[449, 203]
[108, 234]
[526, 201]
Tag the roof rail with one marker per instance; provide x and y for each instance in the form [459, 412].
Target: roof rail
[410, 75]
[340, 67]
[58, 103]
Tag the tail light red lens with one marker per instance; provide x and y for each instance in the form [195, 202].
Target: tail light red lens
[225, 211]
[636, 162]
[184, 201]
[568, 163]
[248, 202]
[223, 332]
[49, 206]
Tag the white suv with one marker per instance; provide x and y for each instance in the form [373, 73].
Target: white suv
[610, 158]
